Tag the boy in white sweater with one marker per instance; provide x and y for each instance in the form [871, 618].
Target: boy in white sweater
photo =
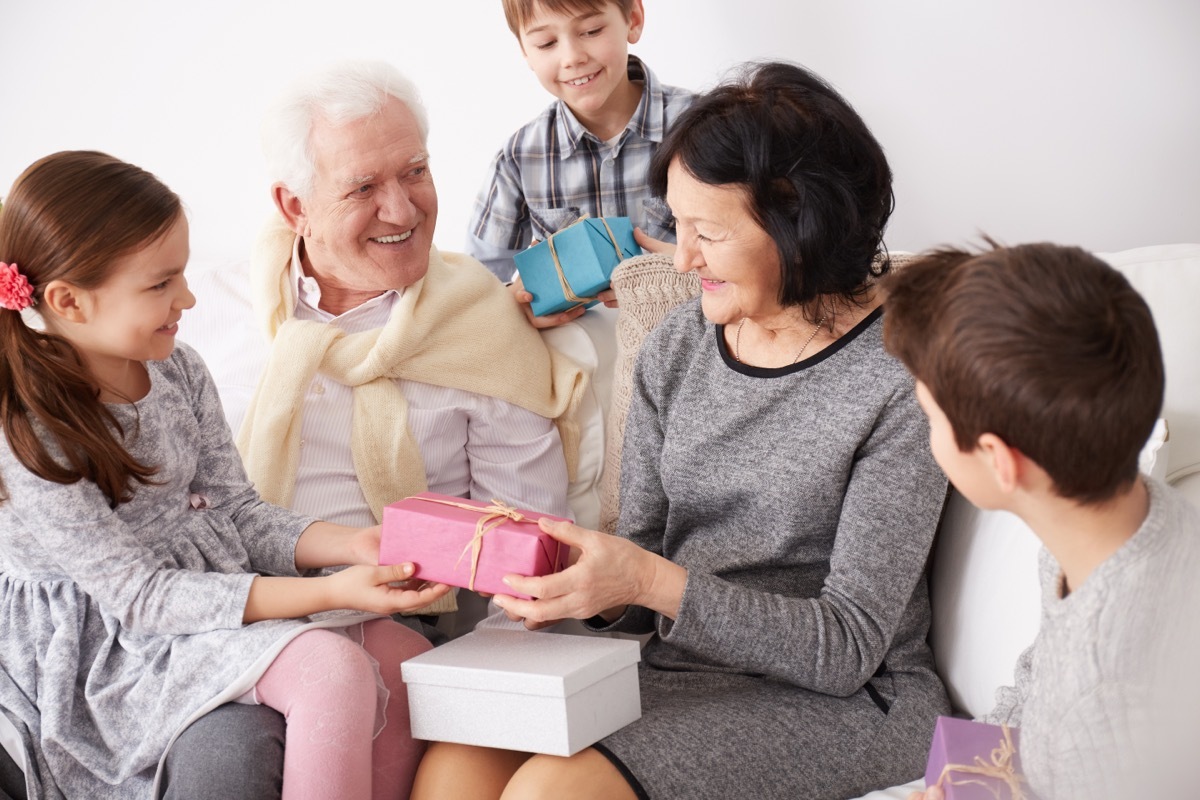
[1040, 371]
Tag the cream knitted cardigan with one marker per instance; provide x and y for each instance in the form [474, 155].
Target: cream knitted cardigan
[456, 327]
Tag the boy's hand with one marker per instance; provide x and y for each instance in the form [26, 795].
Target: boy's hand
[932, 793]
[381, 590]
[524, 298]
[652, 245]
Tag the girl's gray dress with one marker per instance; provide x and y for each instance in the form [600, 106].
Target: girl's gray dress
[123, 625]
[803, 502]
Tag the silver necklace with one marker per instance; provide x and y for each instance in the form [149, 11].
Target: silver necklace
[737, 340]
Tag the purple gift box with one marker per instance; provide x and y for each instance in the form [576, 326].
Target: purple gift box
[975, 761]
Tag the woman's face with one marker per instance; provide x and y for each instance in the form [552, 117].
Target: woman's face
[720, 240]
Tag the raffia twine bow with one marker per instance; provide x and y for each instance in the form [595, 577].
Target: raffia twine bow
[493, 517]
[568, 293]
[1002, 767]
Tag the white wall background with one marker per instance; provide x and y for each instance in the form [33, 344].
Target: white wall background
[1072, 120]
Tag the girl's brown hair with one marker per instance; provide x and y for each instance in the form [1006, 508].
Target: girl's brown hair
[71, 216]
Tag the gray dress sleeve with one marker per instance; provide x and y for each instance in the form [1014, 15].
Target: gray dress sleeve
[268, 532]
[95, 548]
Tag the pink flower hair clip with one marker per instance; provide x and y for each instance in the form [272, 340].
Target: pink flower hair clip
[15, 292]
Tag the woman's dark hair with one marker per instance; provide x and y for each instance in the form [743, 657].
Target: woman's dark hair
[71, 216]
[817, 181]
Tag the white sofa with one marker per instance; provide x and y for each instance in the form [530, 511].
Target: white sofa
[978, 556]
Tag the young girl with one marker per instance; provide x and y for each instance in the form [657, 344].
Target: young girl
[132, 548]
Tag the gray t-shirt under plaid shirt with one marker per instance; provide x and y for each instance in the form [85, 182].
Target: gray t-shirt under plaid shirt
[553, 171]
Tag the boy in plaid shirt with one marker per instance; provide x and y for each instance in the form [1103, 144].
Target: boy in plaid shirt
[589, 152]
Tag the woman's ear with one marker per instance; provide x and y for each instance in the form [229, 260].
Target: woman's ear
[66, 301]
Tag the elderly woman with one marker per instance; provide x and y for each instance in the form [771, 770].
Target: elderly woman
[778, 496]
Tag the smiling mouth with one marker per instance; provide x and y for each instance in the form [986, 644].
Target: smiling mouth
[586, 79]
[393, 239]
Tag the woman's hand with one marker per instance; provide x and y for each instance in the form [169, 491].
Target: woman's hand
[607, 573]
[932, 793]
[382, 590]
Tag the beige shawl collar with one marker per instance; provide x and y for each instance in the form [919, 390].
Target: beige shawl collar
[456, 327]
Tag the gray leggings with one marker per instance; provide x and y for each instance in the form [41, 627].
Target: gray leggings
[233, 751]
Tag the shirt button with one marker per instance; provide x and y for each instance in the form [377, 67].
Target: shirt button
[318, 388]
[302, 443]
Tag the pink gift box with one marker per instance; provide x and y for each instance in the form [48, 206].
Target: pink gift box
[983, 760]
[449, 538]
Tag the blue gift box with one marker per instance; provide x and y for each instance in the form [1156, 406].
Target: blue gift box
[575, 264]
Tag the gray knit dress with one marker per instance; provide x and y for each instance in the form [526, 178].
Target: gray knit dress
[803, 502]
[121, 626]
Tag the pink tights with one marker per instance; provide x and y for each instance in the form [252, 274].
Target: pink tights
[324, 685]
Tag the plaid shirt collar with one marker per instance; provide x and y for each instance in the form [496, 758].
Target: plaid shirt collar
[646, 122]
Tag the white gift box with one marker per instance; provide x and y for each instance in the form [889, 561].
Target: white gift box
[520, 690]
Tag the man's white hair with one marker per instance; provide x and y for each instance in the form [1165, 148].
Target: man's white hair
[338, 94]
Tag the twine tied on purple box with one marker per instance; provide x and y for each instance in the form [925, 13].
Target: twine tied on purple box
[1002, 767]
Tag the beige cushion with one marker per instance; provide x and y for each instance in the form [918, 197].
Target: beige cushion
[647, 287]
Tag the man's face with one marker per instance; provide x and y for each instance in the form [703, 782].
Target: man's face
[368, 225]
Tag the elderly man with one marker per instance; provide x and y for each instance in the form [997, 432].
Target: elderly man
[393, 368]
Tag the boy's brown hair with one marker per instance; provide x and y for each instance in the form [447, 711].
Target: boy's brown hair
[1045, 346]
[518, 12]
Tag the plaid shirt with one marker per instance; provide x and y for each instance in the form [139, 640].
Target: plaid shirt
[553, 171]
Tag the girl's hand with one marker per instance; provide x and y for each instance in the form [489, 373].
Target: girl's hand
[324, 544]
[607, 573]
[381, 590]
[364, 545]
